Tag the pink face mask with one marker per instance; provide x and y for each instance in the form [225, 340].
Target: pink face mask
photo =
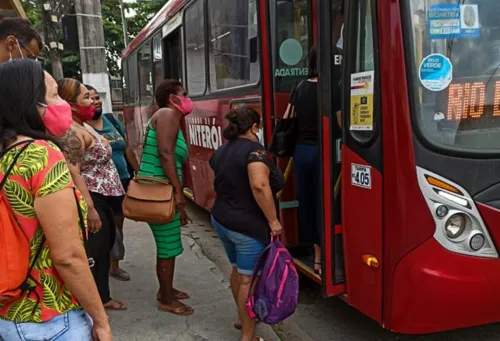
[57, 118]
[84, 113]
[186, 105]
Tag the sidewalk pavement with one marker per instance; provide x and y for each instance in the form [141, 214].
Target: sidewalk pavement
[215, 311]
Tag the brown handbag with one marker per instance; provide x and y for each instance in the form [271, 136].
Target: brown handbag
[150, 200]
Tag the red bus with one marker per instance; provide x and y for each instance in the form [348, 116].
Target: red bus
[410, 231]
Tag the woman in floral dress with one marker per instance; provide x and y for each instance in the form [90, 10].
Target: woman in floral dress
[89, 159]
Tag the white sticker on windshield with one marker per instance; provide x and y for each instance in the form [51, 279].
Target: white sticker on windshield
[450, 21]
[436, 72]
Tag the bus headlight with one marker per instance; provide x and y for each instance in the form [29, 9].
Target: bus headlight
[455, 225]
[459, 226]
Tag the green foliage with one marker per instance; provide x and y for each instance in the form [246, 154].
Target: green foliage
[142, 12]
[33, 11]
[139, 13]
[113, 33]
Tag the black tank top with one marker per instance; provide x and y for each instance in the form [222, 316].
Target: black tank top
[305, 101]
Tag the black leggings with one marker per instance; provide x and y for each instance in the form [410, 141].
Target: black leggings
[100, 245]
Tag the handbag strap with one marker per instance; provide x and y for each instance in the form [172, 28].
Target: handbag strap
[14, 162]
[151, 179]
[114, 121]
[290, 113]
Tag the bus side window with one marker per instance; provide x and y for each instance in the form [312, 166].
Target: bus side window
[232, 34]
[146, 74]
[173, 63]
[158, 68]
[125, 82]
[194, 24]
[133, 81]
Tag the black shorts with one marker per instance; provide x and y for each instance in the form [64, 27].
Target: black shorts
[116, 202]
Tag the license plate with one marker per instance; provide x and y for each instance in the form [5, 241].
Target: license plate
[361, 176]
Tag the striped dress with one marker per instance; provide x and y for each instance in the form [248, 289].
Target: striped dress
[167, 236]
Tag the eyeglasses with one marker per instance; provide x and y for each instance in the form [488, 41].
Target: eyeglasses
[31, 54]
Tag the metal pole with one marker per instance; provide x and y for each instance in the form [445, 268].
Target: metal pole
[124, 24]
[54, 54]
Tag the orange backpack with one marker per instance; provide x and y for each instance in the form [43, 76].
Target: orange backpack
[15, 249]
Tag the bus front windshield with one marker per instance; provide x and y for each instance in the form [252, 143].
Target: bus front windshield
[455, 66]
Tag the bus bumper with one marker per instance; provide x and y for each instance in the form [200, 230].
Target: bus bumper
[436, 290]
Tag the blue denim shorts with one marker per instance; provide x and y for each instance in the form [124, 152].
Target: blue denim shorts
[242, 251]
[74, 325]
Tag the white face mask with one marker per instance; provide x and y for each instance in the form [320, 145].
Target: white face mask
[20, 51]
[260, 136]
[340, 43]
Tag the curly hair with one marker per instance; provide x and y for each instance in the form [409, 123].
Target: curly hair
[165, 89]
[240, 121]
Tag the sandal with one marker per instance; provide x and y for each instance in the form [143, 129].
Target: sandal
[179, 295]
[115, 305]
[180, 311]
[120, 275]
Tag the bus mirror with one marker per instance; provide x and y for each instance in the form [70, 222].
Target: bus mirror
[253, 50]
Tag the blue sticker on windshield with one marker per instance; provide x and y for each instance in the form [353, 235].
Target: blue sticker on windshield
[436, 72]
[447, 21]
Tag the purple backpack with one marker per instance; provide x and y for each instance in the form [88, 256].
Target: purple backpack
[274, 297]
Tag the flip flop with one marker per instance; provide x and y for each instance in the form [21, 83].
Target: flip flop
[179, 296]
[180, 311]
[118, 306]
[182, 295]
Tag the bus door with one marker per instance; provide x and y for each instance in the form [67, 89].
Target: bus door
[362, 163]
[293, 27]
[329, 28]
[286, 37]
